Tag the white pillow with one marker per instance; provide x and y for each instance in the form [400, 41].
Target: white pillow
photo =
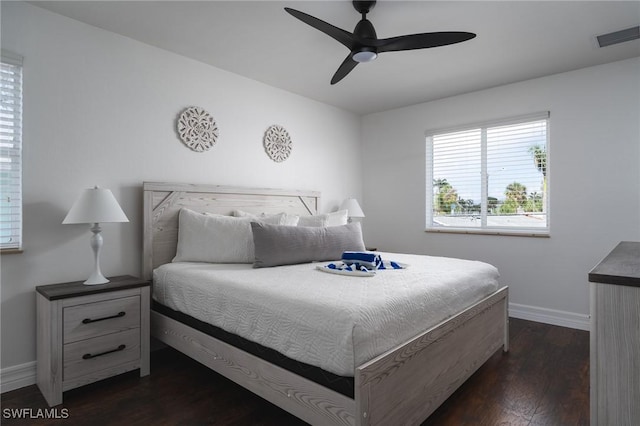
[319, 220]
[284, 218]
[338, 218]
[216, 238]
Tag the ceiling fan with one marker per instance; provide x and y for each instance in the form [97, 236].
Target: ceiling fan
[363, 44]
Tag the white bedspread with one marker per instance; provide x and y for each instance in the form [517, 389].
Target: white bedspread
[330, 321]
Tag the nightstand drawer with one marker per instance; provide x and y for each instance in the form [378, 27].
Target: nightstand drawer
[92, 355]
[101, 318]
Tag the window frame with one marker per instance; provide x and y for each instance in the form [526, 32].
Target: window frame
[485, 229]
[14, 60]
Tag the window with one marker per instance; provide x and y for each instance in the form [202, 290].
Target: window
[490, 178]
[10, 152]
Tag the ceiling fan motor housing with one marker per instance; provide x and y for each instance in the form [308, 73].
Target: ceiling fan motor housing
[364, 31]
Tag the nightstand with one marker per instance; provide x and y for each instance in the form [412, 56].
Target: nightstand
[87, 333]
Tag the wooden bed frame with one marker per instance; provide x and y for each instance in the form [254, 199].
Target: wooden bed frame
[402, 386]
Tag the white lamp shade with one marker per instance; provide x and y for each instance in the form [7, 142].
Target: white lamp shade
[353, 208]
[95, 205]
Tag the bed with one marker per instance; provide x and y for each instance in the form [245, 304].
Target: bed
[402, 385]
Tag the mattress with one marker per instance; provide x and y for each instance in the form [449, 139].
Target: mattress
[333, 322]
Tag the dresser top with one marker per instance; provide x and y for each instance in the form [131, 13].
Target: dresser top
[621, 266]
[77, 288]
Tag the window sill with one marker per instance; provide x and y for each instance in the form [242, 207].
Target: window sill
[503, 232]
[10, 251]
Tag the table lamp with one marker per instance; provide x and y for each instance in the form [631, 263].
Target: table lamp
[95, 205]
[353, 208]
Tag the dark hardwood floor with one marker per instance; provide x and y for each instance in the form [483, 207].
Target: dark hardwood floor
[543, 380]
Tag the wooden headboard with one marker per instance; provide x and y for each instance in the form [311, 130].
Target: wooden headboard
[163, 201]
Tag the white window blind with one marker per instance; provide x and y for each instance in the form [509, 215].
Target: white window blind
[10, 151]
[491, 177]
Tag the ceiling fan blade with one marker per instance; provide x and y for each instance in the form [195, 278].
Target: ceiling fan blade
[345, 68]
[419, 41]
[339, 34]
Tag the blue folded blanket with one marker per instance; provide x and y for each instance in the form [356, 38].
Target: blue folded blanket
[361, 258]
[360, 264]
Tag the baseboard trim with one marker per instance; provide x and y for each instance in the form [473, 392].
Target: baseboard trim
[17, 376]
[550, 316]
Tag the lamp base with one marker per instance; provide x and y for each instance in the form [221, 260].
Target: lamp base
[96, 244]
[96, 279]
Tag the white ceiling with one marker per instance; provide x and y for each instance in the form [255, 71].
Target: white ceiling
[517, 40]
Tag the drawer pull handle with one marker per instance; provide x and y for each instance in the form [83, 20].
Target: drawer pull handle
[118, 349]
[89, 320]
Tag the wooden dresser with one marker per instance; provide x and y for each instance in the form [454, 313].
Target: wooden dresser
[615, 337]
[90, 332]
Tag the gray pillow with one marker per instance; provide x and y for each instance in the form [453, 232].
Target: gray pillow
[287, 245]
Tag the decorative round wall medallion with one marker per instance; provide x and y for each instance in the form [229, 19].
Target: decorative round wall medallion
[197, 129]
[277, 143]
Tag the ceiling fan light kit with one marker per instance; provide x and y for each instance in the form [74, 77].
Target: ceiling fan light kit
[364, 55]
[365, 46]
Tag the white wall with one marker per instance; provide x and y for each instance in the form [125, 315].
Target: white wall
[594, 183]
[101, 109]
